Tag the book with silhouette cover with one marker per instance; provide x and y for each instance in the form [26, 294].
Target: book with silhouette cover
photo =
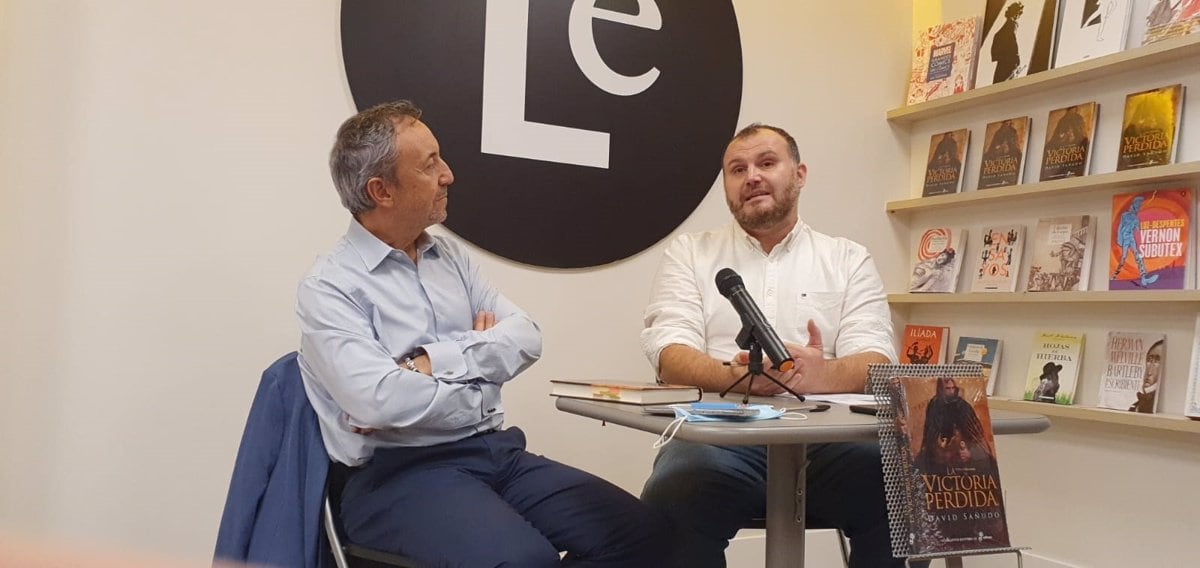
[1018, 39]
[1069, 135]
[1150, 128]
[1054, 365]
[947, 489]
[624, 391]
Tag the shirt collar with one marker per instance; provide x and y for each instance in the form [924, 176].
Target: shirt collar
[787, 243]
[373, 251]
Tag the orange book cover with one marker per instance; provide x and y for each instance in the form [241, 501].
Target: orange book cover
[925, 344]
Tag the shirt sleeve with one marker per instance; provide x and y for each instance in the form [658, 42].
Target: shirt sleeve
[866, 324]
[495, 355]
[675, 313]
[338, 343]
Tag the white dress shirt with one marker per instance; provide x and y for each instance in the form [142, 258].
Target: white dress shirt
[808, 275]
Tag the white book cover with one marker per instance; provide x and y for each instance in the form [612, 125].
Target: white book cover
[1191, 406]
[999, 259]
[1091, 28]
[1133, 370]
[938, 260]
[1062, 254]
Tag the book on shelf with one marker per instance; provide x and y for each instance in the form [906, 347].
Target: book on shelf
[925, 344]
[1004, 143]
[1090, 28]
[1018, 38]
[1133, 370]
[938, 260]
[944, 166]
[1150, 128]
[999, 259]
[1150, 245]
[1062, 254]
[1166, 19]
[1069, 135]
[940, 438]
[1191, 404]
[1054, 365]
[624, 391]
[982, 350]
[943, 60]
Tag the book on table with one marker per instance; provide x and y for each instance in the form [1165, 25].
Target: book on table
[627, 392]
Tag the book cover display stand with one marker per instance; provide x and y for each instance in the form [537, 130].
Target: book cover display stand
[896, 457]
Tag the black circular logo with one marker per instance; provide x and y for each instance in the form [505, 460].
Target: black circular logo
[580, 132]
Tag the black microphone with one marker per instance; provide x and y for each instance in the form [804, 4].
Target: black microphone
[731, 286]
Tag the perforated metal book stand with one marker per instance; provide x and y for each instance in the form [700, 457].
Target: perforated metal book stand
[889, 443]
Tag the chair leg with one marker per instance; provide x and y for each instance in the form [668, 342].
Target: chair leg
[335, 541]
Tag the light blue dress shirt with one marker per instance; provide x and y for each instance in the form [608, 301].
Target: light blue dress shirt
[364, 305]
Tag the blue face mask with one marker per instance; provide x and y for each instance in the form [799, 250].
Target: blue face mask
[683, 413]
[765, 412]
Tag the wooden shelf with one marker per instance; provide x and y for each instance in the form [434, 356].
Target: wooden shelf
[1118, 296]
[1175, 49]
[1172, 173]
[1173, 422]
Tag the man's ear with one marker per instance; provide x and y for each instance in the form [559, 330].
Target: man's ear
[802, 173]
[381, 192]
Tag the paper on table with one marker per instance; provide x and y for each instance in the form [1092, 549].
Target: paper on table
[841, 398]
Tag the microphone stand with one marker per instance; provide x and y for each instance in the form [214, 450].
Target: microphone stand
[746, 340]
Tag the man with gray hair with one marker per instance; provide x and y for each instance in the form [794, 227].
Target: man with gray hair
[824, 297]
[404, 349]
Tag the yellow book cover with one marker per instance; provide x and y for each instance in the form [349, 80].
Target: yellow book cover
[1150, 128]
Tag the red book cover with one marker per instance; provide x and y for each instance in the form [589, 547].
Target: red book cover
[925, 344]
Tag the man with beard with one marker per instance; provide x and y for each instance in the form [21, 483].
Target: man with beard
[953, 437]
[824, 297]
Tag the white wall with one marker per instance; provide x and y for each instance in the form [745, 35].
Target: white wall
[163, 188]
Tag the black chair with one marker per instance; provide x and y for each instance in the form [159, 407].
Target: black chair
[761, 523]
[345, 553]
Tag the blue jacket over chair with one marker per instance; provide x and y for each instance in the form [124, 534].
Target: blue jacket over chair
[273, 510]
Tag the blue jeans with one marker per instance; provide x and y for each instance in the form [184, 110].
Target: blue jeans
[485, 501]
[710, 492]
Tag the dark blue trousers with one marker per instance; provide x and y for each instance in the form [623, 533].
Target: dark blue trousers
[485, 501]
[710, 492]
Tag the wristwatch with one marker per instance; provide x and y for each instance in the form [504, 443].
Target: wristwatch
[407, 360]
